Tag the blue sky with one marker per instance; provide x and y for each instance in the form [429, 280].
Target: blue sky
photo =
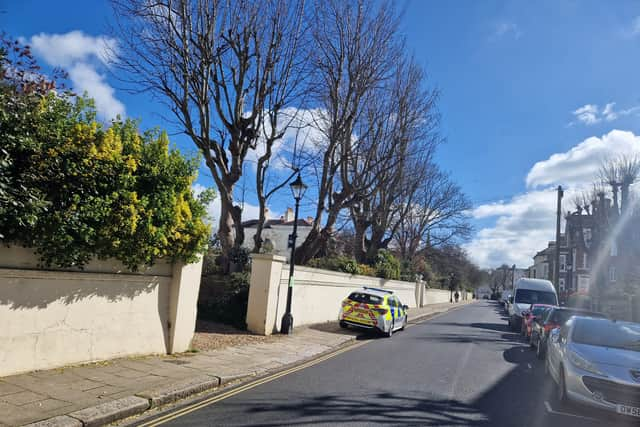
[533, 94]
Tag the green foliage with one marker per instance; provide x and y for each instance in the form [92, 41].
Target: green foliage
[337, 263]
[74, 190]
[366, 270]
[228, 301]
[387, 265]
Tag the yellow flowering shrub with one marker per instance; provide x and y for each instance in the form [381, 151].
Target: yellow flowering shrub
[102, 192]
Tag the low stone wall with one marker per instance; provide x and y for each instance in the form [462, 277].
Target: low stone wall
[317, 294]
[56, 317]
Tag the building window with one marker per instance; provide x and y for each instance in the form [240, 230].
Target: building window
[583, 283]
[545, 271]
[562, 284]
[612, 274]
[585, 263]
[614, 249]
[563, 263]
[587, 235]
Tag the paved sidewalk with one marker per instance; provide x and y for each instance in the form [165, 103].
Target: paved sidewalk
[108, 388]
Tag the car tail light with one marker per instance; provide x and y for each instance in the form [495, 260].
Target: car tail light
[381, 311]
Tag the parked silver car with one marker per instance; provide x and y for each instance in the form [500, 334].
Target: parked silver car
[597, 362]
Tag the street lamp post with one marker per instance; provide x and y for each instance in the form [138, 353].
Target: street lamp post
[297, 188]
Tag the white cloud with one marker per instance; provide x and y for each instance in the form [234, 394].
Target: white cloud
[526, 223]
[85, 78]
[249, 211]
[590, 114]
[633, 29]
[82, 56]
[587, 114]
[303, 133]
[503, 29]
[64, 50]
[581, 163]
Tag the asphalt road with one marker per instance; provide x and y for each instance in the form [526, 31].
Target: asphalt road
[461, 368]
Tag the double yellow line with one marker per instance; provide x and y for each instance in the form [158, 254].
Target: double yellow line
[245, 387]
[240, 389]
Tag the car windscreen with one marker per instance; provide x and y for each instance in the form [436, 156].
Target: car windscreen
[537, 311]
[561, 316]
[361, 297]
[529, 296]
[607, 334]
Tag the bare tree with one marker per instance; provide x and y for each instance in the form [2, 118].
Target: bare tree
[223, 68]
[437, 215]
[500, 278]
[620, 173]
[407, 127]
[355, 46]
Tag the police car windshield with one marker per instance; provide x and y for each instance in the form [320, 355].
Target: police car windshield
[365, 298]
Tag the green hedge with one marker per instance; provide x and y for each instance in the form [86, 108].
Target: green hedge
[73, 189]
[387, 266]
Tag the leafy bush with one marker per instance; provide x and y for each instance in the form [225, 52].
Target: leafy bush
[387, 265]
[337, 263]
[367, 270]
[85, 191]
[228, 304]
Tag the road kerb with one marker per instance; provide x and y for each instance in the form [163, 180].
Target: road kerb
[61, 421]
[139, 403]
[179, 390]
[109, 412]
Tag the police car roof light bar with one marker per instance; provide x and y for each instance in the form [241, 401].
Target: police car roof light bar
[378, 289]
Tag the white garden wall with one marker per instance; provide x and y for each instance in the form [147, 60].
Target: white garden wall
[317, 294]
[52, 318]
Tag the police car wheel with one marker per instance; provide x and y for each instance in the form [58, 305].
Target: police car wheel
[343, 325]
[389, 333]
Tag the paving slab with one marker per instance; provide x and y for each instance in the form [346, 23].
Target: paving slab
[22, 397]
[8, 388]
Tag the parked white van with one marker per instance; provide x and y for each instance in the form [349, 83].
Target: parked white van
[527, 292]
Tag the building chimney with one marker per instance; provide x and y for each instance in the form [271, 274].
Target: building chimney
[288, 217]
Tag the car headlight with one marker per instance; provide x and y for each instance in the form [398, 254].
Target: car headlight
[583, 363]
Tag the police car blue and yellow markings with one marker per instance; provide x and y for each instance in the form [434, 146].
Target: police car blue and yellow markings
[383, 313]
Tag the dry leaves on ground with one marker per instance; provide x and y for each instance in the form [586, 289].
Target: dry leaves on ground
[214, 336]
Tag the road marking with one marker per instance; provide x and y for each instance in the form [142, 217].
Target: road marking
[248, 386]
[567, 414]
[245, 387]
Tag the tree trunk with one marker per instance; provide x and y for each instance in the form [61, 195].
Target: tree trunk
[360, 241]
[316, 239]
[257, 238]
[225, 233]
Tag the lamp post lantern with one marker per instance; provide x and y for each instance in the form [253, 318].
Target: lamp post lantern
[297, 188]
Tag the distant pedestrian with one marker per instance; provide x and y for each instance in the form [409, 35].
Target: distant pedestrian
[456, 296]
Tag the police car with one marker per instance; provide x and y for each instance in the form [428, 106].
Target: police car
[372, 308]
